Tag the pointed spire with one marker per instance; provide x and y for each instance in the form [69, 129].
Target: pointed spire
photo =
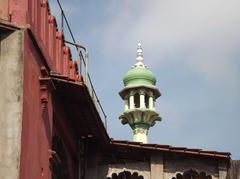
[139, 53]
[139, 58]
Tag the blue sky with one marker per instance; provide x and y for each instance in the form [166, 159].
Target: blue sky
[193, 49]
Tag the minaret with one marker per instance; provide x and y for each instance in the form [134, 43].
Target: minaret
[139, 95]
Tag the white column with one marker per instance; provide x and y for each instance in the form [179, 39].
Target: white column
[151, 105]
[126, 104]
[131, 101]
[142, 100]
[140, 138]
[140, 135]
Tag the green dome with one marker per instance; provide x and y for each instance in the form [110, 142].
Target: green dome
[139, 76]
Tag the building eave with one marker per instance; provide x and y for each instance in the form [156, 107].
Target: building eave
[155, 90]
[170, 149]
[77, 102]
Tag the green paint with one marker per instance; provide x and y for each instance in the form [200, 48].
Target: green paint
[140, 85]
[139, 76]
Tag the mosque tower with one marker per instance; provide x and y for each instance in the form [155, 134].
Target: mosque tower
[139, 94]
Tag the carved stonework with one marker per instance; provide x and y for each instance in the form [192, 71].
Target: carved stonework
[142, 91]
[140, 131]
[44, 96]
[126, 175]
[46, 85]
[192, 174]
[140, 116]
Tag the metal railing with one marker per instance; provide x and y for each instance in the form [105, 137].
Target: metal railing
[83, 62]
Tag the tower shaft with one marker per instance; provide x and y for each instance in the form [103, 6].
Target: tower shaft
[140, 134]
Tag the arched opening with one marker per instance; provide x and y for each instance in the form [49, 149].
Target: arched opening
[137, 100]
[192, 174]
[147, 100]
[126, 175]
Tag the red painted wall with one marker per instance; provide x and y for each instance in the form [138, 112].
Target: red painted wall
[43, 47]
[42, 119]
[36, 16]
[37, 122]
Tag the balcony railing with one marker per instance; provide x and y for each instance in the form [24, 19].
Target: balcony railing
[82, 62]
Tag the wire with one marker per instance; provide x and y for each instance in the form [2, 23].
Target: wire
[81, 57]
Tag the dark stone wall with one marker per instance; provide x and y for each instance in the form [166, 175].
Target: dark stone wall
[234, 170]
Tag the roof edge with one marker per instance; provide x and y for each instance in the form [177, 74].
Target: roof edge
[169, 148]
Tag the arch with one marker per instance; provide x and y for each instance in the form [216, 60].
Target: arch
[126, 175]
[137, 100]
[192, 174]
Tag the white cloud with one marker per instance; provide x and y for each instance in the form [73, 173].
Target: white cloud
[202, 34]
[193, 45]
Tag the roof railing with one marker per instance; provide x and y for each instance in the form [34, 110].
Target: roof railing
[82, 61]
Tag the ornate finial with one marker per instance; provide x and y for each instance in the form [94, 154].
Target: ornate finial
[139, 57]
[139, 53]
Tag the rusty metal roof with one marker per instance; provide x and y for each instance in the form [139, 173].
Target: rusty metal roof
[169, 148]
